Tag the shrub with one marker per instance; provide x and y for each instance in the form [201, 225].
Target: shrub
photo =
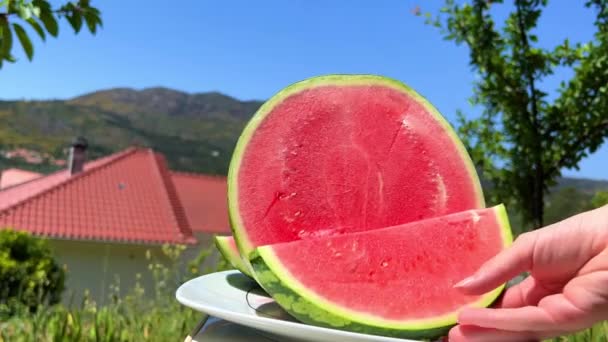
[29, 276]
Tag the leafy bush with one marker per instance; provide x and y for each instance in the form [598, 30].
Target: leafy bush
[29, 276]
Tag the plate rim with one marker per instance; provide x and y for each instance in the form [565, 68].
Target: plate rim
[243, 319]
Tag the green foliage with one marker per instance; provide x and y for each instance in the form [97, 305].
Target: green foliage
[600, 199]
[133, 317]
[597, 333]
[221, 265]
[522, 140]
[41, 17]
[29, 275]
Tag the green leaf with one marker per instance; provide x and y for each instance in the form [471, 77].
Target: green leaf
[95, 16]
[34, 24]
[36, 10]
[43, 5]
[26, 43]
[92, 21]
[75, 20]
[25, 12]
[7, 40]
[50, 23]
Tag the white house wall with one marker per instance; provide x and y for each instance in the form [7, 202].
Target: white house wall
[95, 266]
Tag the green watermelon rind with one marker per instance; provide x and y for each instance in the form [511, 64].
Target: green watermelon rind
[233, 257]
[242, 240]
[310, 308]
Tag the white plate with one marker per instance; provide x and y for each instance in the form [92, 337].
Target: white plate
[232, 296]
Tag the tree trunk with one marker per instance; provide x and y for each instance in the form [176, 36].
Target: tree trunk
[539, 203]
[535, 127]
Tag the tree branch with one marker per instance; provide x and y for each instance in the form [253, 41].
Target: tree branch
[599, 130]
[57, 11]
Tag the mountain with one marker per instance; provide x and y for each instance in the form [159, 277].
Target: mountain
[169, 102]
[587, 186]
[196, 132]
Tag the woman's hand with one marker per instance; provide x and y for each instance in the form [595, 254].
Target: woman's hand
[567, 289]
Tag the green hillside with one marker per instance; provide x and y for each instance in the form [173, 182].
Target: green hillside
[196, 132]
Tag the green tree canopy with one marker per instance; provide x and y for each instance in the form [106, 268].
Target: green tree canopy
[522, 139]
[43, 19]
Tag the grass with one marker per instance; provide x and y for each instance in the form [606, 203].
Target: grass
[125, 321]
[598, 333]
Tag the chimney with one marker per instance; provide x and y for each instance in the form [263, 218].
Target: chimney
[78, 155]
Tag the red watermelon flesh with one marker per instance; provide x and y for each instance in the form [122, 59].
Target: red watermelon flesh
[400, 277]
[344, 154]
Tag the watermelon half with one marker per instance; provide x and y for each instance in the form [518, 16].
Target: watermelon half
[340, 154]
[227, 247]
[396, 281]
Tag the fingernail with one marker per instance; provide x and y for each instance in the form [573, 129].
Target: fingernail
[465, 282]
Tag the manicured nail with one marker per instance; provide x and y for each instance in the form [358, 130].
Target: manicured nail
[465, 282]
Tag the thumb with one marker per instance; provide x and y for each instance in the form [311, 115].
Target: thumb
[503, 267]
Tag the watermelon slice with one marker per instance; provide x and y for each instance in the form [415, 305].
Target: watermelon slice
[345, 153]
[227, 247]
[396, 281]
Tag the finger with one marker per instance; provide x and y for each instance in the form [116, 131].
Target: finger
[597, 264]
[569, 315]
[527, 318]
[470, 333]
[503, 267]
[528, 292]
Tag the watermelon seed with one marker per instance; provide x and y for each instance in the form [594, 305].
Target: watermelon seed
[476, 217]
[384, 264]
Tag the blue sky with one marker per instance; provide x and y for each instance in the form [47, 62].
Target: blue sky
[251, 49]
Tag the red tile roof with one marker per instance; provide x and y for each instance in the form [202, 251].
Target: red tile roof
[11, 177]
[128, 196]
[204, 199]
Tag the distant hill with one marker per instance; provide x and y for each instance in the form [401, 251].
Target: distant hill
[196, 132]
[588, 186]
